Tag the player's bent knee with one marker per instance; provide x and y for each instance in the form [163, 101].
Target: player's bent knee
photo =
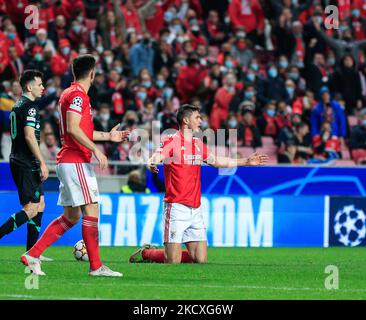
[201, 260]
[172, 260]
[31, 209]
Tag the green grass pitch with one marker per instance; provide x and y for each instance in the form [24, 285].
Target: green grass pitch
[232, 273]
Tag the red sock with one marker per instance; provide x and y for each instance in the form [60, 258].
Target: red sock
[186, 258]
[157, 255]
[89, 230]
[53, 232]
[154, 255]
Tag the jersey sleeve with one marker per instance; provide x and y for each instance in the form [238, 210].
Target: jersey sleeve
[76, 103]
[166, 147]
[30, 116]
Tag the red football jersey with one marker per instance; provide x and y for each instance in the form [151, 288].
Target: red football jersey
[182, 169]
[75, 99]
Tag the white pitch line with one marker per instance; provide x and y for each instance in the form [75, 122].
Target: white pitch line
[24, 296]
[201, 286]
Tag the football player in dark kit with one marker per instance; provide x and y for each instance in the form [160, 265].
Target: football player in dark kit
[27, 164]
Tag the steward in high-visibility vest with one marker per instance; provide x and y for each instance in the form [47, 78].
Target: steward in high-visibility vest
[134, 184]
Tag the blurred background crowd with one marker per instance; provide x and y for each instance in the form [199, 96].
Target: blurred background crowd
[268, 68]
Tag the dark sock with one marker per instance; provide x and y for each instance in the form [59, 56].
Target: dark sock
[13, 223]
[34, 227]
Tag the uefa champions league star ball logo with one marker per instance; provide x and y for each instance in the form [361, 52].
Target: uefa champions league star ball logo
[32, 112]
[350, 226]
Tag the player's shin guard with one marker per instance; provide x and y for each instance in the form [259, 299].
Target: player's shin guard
[13, 223]
[34, 227]
[53, 232]
[90, 236]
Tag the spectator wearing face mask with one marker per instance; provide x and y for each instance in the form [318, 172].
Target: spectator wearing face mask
[146, 81]
[61, 60]
[357, 141]
[242, 50]
[43, 41]
[291, 91]
[103, 121]
[247, 14]
[141, 56]
[140, 97]
[328, 110]
[77, 34]
[357, 24]
[272, 87]
[267, 121]
[223, 97]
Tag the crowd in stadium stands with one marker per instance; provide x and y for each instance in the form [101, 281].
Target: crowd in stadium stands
[268, 68]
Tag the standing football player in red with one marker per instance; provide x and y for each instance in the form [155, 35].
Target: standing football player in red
[183, 154]
[78, 183]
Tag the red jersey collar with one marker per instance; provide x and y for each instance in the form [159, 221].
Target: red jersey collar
[79, 85]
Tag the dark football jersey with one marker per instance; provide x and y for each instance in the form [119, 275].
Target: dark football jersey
[24, 113]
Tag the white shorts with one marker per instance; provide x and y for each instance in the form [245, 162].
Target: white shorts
[183, 224]
[78, 184]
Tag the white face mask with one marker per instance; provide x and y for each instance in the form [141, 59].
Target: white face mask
[108, 59]
[83, 51]
[104, 116]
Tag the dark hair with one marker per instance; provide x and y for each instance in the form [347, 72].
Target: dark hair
[185, 111]
[82, 65]
[28, 76]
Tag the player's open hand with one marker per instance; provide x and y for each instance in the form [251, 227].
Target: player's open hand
[44, 172]
[152, 167]
[103, 161]
[257, 159]
[118, 136]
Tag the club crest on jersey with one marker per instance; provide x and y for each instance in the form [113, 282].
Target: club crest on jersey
[32, 112]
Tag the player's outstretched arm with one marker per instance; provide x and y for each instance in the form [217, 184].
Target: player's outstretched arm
[256, 159]
[31, 140]
[73, 128]
[114, 135]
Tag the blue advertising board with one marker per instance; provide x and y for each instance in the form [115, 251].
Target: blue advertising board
[261, 181]
[231, 221]
[280, 180]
